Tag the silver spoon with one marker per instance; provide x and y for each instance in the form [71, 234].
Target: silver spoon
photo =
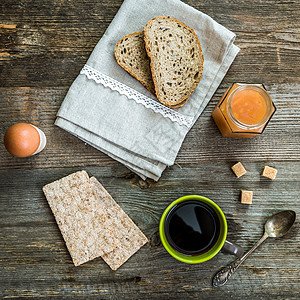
[276, 226]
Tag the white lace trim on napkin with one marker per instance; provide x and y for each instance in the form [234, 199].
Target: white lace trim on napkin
[130, 93]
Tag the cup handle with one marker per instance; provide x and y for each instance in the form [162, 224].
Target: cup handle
[231, 248]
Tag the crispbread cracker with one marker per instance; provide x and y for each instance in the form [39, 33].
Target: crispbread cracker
[83, 221]
[130, 236]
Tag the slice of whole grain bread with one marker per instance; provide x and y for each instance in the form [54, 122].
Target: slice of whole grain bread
[176, 59]
[131, 55]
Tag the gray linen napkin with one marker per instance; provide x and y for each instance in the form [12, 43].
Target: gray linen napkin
[142, 139]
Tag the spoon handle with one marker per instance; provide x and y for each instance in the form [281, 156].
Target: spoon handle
[224, 274]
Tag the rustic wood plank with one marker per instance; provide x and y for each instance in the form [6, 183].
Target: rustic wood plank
[38, 106]
[43, 46]
[47, 45]
[35, 261]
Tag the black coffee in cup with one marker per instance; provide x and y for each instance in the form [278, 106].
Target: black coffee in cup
[192, 227]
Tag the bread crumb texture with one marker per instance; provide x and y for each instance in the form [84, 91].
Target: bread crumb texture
[238, 169]
[246, 197]
[131, 55]
[176, 59]
[269, 172]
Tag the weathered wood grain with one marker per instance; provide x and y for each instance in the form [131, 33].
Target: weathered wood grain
[37, 39]
[43, 46]
[35, 261]
[280, 141]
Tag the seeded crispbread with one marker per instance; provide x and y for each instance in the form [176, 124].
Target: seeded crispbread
[131, 55]
[91, 222]
[176, 59]
[84, 223]
[131, 238]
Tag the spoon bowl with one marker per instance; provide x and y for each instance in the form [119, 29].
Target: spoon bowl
[279, 224]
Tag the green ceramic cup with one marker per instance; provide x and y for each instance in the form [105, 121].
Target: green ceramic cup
[220, 244]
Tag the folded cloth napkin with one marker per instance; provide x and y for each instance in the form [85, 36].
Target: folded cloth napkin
[113, 112]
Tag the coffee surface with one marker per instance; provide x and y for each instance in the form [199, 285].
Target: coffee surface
[192, 227]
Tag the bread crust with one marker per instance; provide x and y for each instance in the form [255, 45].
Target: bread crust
[184, 100]
[126, 69]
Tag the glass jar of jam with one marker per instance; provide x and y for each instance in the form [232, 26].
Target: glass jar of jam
[244, 110]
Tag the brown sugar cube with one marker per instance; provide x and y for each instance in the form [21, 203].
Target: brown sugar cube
[246, 197]
[269, 172]
[238, 169]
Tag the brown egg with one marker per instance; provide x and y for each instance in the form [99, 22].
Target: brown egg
[21, 140]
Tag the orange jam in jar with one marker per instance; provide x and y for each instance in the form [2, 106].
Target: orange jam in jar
[244, 110]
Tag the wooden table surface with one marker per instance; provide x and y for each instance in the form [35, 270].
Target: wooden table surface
[44, 44]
